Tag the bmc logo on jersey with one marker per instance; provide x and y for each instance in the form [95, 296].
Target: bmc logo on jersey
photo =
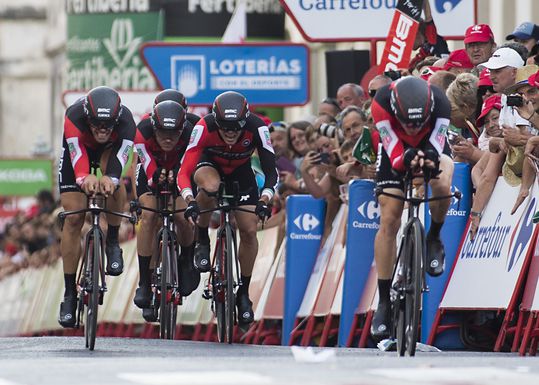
[306, 222]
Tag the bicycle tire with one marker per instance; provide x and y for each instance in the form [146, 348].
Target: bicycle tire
[409, 315]
[217, 281]
[172, 283]
[93, 298]
[163, 285]
[230, 255]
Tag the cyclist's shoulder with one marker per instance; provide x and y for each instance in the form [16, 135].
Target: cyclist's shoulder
[145, 130]
[381, 105]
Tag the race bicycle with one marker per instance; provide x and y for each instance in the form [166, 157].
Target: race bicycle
[91, 277]
[409, 273]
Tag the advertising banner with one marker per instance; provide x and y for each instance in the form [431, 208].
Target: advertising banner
[370, 19]
[268, 74]
[452, 231]
[304, 228]
[103, 49]
[363, 223]
[202, 18]
[25, 177]
[488, 268]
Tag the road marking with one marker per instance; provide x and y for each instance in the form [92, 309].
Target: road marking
[197, 378]
[456, 375]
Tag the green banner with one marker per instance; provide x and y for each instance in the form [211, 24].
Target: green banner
[25, 177]
[103, 49]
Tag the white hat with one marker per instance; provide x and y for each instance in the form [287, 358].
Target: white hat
[504, 57]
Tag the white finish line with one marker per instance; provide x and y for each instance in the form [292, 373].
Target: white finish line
[196, 378]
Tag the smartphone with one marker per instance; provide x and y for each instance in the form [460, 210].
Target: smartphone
[324, 157]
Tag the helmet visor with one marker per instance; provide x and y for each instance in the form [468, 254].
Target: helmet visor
[226, 125]
[107, 124]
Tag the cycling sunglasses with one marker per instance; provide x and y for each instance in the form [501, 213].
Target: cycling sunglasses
[107, 124]
[229, 126]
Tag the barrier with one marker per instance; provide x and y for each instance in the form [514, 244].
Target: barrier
[305, 218]
[363, 223]
[455, 223]
[529, 311]
[501, 252]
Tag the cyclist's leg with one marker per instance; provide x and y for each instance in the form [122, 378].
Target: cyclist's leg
[188, 275]
[385, 242]
[145, 248]
[115, 262]
[207, 178]
[440, 186]
[71, 198]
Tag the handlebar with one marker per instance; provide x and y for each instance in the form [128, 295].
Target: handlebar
[135, 206]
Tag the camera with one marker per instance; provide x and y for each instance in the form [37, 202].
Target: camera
[331, 131]
[515, 100]
[324, 157]
[453, 137]
[392, 74]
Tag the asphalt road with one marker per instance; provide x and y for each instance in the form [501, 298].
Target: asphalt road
[64, 360]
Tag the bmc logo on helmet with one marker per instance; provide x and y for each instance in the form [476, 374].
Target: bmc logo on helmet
[231, 113]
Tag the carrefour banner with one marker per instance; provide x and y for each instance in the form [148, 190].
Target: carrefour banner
[304, 229]
[488, 268]
[103, 48]
[25, 177]
[363, 223]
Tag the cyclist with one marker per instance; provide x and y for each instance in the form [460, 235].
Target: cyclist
[178, 97]
[412, 119]
[220, 149]
[160, 142]
[98, 131]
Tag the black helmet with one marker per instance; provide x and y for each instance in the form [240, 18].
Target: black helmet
[412, 101]
[102, 105]
[230, 110]
[170, 94]
[168, 115]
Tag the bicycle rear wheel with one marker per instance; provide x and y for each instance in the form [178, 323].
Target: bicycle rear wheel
[218, 280]
[94, 258]
[230, 255]
[172, 292]
[412, 277]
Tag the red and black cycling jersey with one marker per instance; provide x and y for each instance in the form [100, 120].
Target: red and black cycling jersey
[205, 140]
[393, 137]
[150, 154]
[78, 136]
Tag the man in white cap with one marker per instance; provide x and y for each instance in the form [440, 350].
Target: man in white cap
[503, 65]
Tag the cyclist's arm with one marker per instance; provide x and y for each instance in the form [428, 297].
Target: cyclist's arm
[189, 162]
[145, 156]
[267, 162]
[77, 150]
[122, 147]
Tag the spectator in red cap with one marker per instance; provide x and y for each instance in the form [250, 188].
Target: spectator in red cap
[479, 43]
[458, 62]
[484, 89]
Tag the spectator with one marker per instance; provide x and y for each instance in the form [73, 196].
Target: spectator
[279, 141]
[425, 63]
[377, 82]
[462, 96]
[479, 44]
[527, 34]
[458, 62]
[353, 120]
[329, 106]
[442, 79]
[484, 89]
[350, 94]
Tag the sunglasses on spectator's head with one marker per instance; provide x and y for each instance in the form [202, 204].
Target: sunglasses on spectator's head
[372, 93]
[277, 126]
[332, 102]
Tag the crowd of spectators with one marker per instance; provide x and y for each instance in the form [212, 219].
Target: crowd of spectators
[494, 96]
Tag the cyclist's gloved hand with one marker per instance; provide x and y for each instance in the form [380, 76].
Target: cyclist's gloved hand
[192, 211]
[431, 169]
[262, 210]
[409, 156]
[158, 176]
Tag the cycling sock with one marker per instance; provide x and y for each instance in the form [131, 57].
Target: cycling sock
[203, 236]
[144, 269]
[434, 230]
[244, 288]
[383, 290]
[70, 285]
[112, 234]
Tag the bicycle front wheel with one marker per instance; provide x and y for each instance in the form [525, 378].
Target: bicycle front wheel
[164, 310]
[94, 257]
[172, 292]
[218, 280]
[230, 305]
[410, 299]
